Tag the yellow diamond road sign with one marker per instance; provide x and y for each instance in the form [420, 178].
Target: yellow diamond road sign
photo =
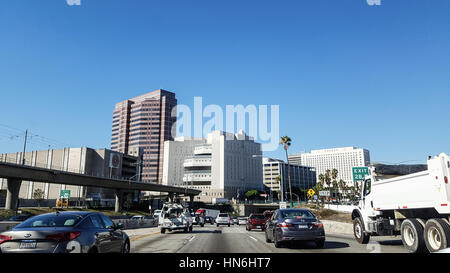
[311, 192]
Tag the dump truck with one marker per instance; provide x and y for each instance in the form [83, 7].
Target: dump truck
[415, 206]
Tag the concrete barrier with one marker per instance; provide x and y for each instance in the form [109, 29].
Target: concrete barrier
[333, 227]
[7, 225]
[137, 223]
[341, 208]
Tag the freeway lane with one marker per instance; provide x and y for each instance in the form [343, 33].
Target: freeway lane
[235, 239]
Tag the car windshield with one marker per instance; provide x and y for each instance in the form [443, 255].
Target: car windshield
[223, 215]
[292, 214]
[257, 216]
[52, 220]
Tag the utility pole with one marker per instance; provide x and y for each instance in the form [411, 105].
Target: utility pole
[24, 147]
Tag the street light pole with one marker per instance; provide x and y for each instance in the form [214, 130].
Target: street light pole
[24, 146]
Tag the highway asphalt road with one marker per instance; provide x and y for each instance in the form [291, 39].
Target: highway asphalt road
[235, 239]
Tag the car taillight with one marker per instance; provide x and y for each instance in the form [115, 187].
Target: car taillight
[4, 238]
[64, 237]
[446, 179]
[318, 225]
[285, 225]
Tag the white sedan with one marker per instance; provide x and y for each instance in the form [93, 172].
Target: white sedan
[242, 220]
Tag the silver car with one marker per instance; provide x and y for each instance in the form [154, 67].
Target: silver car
[223, 219]
[66, 232]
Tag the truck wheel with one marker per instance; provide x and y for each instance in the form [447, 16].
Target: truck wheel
[358, 230]
[412, 236]
[163, 230]
[436, 234]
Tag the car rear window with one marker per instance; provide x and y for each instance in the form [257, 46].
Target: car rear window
[223, 215]
[292, 214]
[257, 216]
[53, 220]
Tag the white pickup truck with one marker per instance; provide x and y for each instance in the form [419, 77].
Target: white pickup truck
[175, 216]
[415, 206]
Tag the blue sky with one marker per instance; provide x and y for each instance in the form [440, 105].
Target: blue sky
[344, 73]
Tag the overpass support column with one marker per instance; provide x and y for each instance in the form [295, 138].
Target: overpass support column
[119, 201]
[171, 199]
[191, 201]
[12, 194]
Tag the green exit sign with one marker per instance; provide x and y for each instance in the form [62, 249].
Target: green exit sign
[359, 173]
[65, 194]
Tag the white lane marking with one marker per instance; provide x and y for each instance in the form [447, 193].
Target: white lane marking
[192, 238]
[252, 238]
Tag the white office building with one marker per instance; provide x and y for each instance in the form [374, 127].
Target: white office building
[342, 159]
[301, 177]
[222, 165]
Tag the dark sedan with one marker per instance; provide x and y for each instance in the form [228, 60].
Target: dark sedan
[65, 232]
[293, 225]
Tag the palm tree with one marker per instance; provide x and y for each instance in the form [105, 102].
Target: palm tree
[321, 179]
[342, 186]
[286, 142]
[278, 180]
[334, 174]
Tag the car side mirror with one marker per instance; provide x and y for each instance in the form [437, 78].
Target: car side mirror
[119, 226]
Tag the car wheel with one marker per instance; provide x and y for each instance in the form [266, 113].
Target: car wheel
[163, 230]
[267, 238]
[217, 225]
[126, 247]
[228, 225]
[320, 243]
[93, 250]
[276, 242]
[190, 228]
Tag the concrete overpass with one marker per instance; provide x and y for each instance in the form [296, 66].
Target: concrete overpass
[15, 174]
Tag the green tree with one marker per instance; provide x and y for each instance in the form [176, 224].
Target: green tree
[342, 187]
[278, 180]
[334, 175]
[286, 142]
[252, 194]
[38, 195]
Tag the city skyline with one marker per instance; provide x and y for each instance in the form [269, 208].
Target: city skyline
[375, 79]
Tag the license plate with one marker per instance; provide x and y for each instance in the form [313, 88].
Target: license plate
[258, 226]
[28, 245]
[302, 226]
